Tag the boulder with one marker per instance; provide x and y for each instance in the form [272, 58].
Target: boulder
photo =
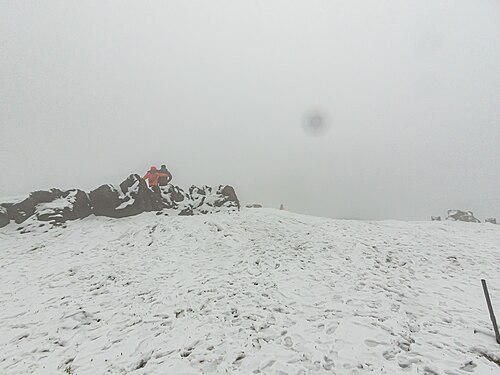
[130, 198]
[172, 196]
[177, 194]
[147, 199]
[202, 199]
[4, 217]
[21, 211]
[51, 205]
[254, 205]
[81, 205]
[104, 200]
[457, 215]
[71, 205]
[227, 198]
[198, 200]
[435, 218]
[188, 211]
[491, 220]
[195, 191]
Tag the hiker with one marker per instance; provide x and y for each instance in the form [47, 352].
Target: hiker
[152, 178]
[165, 176]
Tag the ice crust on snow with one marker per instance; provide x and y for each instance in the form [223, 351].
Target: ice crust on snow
[256, 291]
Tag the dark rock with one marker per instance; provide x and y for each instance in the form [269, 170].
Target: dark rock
[491, 220]
[43, 196]
[457, 215]
[147, 199]
[188, 211]
[229, 192]
[156, 201]
[178, 195]
[199, 199]
[81, 206]
[199, 202]
[435, 218]
[172, 196]
[4, 217]
[253, 205]
[71, 205]
[228, 197]
[21, 211]
[52, 205]
[166, 196]
[132, 198]
[104, 200]
[194, 190]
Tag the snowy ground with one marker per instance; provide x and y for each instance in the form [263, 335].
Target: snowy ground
[256, 292]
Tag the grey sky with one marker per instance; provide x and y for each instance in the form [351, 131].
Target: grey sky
[91, 91]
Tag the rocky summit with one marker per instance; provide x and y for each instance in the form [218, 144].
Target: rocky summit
[129, 198]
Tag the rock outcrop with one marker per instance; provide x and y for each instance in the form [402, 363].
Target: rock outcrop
[173, 197]
[230, 196]
[52, 205]
[130, 198]
[4, 217]
[199, 200]
[457, 215]
[435, 218]
[491, 220]
[70, 205]
[21, 211]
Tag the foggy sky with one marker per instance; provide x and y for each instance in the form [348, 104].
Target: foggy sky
[91, 91]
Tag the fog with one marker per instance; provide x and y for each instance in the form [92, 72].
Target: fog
[221, 92]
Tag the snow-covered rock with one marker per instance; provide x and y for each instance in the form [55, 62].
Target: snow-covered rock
[491, 220]
[174, 198]
[249, 292]
[21, 211]
[253, 205]
[435, 218]
[71, 205]
[51, 205]
[199, 200]
[230, 199]
[457, 215]
[130, 198]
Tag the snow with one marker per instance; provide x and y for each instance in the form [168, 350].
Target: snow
[260, 291]
[56, 204]
[130, 201]
[125, 197]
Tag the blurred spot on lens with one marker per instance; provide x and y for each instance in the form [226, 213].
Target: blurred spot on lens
[315, 123]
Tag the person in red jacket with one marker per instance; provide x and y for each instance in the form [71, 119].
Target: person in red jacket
[152, 177]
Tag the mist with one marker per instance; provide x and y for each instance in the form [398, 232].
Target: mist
[221, 92]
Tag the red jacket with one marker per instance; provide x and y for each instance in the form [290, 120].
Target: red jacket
[152, 177]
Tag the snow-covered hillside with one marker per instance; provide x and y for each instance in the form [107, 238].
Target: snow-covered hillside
[254, 292]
